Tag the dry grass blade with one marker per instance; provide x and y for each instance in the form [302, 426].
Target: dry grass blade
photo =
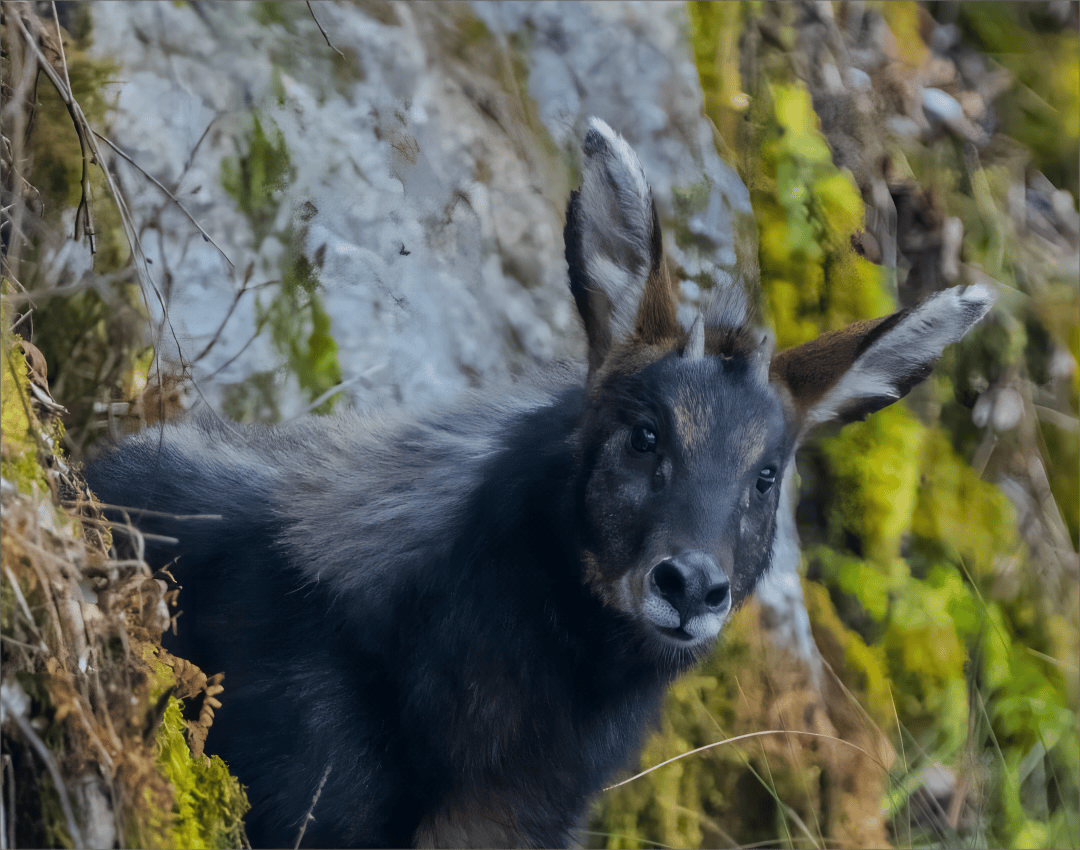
[42, 646]
[9, 801]
[50, 764]
[747, 736]
[318, 793]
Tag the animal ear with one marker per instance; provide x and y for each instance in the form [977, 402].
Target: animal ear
[850, 373]
[614, 248]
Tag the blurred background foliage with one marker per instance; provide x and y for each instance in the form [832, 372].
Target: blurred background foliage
[939, 536]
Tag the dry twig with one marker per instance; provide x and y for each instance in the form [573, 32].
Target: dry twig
[171, 196]
[54, 771]
[324, 35]
[314, 801]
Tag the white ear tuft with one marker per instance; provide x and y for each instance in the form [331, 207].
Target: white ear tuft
[615, 211]
[902, 353]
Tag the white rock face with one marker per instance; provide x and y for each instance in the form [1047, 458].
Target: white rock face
[432, 194]
[431, 169]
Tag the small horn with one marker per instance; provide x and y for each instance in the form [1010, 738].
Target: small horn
[695, 343]
[761, 358]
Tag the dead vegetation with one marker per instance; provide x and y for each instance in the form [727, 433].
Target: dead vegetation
[87, 760]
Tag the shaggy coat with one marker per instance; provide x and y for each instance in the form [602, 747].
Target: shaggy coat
[460, 626]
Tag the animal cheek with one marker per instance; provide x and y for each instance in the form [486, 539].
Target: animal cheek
[753, 555]
[630, 592]
[662, 475]
[614, 498]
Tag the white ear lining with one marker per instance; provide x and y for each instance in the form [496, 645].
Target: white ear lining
[914, 344]
[761, 358]
[616, 219]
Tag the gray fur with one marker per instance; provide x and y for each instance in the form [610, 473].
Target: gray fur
[616, 207]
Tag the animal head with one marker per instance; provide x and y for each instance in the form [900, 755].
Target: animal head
[688, 430]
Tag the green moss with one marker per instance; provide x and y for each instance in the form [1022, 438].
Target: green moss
[254, 400]
[959, 511]
[903, 17]
[471, 34]
[52, 822]
[715, 31]
[807, 213]
[19, 461]
[907, 596]
[875, 468]
[57, 156]
[208, 803]
[163, 674]
[89, 342]
[293, 315]
[257, 175]
[864, 668]
[300, 328]
[270, 14]
[1057, 311]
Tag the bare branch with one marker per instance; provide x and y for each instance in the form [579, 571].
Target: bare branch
[171, 196]
[324, 35]
[50, 764]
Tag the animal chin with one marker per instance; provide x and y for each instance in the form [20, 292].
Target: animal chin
[704, 628]
[697, 631]
[679, 635]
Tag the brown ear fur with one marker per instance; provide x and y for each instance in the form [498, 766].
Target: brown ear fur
[851, 373]
[657, 316]
[812, 369]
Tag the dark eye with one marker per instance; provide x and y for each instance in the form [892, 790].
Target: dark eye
[643, 439]
[766, 479]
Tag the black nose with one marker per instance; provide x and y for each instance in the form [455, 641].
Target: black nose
[692, 583]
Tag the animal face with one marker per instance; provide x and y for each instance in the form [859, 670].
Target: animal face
[688, 430]
[680, 491]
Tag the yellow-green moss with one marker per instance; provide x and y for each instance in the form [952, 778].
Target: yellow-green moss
[807, 212]
[208, 804]
[19, 460]
[1042, 112]
[958, 510]
[906, 595]
[54, 143]
[875, 466]
[865, 669]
